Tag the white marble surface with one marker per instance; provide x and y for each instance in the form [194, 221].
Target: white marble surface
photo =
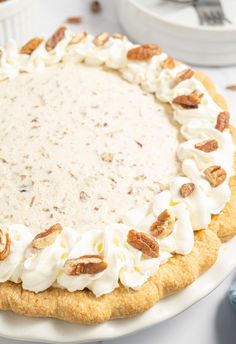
[212, 320]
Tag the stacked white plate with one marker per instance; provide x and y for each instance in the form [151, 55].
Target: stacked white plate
[17, 20]
[175, 27]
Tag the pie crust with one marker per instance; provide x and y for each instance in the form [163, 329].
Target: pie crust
[179, 272]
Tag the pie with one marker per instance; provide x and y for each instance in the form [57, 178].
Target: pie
[117, 176]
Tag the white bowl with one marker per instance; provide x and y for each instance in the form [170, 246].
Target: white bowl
[17, 20]
[179, 35]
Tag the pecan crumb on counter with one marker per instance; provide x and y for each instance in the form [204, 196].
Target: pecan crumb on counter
[231, 87]
[74, 20]
[95, 6]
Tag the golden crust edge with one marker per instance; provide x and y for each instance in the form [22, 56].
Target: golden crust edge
[223, 224]
[179, 272]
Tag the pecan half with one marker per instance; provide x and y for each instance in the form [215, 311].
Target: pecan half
[79, 38]
[215, 175]
[88, 264]
[100, 40]
[47, 238]
[168, 63]
[144, 52]
[144, 243]
[187, 189]
[189, 101]
[186, 74]
[30, 46]
[5, 245]
[163, 226]
[56, 38]
[222, 122]
[207, 146]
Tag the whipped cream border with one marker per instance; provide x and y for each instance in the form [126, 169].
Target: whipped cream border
[126, 264]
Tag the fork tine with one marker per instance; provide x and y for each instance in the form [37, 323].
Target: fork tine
[220, 16]
[216, 19]
[207, 16]
[211, 17]
[201, 14]
[210, 12]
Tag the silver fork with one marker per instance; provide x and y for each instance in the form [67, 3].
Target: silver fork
[211, 12]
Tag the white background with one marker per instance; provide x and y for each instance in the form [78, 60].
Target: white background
[212, 320]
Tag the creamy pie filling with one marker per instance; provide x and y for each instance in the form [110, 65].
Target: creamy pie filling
[81, 146]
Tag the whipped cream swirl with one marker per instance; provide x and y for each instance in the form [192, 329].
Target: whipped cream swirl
[11, 267]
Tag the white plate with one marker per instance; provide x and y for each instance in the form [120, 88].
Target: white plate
[176, 29]
[54, 331]
[18, 20]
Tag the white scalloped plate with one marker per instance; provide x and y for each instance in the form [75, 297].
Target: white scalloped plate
[54, 331]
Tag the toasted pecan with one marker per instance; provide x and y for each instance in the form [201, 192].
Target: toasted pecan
[164, 225]
[144, 52]
[56, 38]
[168, 63]
[5, 245]
[186, 74]
[144, 243]
[79, 38]
[207, 146]
[100, 40]
[222, 122]
[187, 189]
[215, 175]
[87, 264]
[47, 238]
[189, 101]
[31, 46]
